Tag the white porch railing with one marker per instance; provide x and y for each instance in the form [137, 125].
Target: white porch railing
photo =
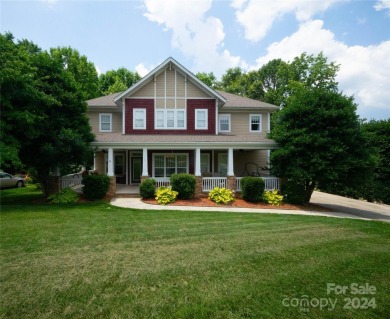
[162, 181]
[271, 183]
[208, 183]
[72, 180]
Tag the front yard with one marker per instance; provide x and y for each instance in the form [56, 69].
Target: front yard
[93, 260]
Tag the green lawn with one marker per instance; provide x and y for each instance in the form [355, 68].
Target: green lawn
[94, 260]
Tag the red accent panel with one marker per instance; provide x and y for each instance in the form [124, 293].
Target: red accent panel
[208, 104]
[148, 104]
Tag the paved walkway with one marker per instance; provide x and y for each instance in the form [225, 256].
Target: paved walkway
[339, 211]
[357, 208]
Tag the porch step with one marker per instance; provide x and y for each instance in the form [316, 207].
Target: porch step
[127, 196]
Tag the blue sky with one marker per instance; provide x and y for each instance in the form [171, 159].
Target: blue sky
[212, 36]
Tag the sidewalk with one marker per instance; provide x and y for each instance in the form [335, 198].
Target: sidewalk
[136, 203]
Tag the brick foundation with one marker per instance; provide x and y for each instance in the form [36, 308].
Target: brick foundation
[112, 188]
[198, 187]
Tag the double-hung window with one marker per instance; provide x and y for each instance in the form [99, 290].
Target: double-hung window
[201, 119]
[255, 122]
[224, 122]
[139, 119]
[170, 119]
[105, 122]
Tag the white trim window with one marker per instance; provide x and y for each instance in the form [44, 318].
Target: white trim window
[164, 165]
[105, 122]
[255, 122]
[201, 119]
[170, 119]
[139, 119]
[224, 122]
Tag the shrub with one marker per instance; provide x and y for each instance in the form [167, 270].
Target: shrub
[95, 186]
[252, 188]
[272, 197]
[221, 195]
[66, 195]
[147, 189]
[165, 195]
[294, 193]
[184, 184]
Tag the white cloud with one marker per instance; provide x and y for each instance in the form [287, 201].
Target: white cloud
[142, 69]
[364, 71]
[383, 5]
[257, 17]
[194, 33]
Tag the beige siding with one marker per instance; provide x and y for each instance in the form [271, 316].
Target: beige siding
[194, 92]
[240, 123]
[170, 81]
[180, 85]
[99, 162]
[146, 91]
[259, 157]
[116, 121]
[160, 84]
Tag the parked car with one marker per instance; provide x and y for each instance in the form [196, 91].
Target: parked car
[8, 180]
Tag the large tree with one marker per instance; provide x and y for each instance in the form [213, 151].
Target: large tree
[114, 81]
[321, 143]
[43, 114]
[82, 70]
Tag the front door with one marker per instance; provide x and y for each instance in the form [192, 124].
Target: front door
[136, 169]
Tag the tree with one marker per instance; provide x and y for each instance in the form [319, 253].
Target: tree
[233, 81]
[274, 79]
[378, 134]
[114, 81]
[43, 112]
[208, 78]
[321, 143]
[83, 71]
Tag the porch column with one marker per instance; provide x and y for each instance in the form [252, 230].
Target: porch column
[110, 170]
[230, 170]
[145, 162]
[197, 162]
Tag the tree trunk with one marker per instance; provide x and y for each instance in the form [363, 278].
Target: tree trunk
[309, 188]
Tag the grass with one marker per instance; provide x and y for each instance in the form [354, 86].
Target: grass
[93, 260]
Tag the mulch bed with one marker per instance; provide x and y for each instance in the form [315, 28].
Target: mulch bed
[206, 202]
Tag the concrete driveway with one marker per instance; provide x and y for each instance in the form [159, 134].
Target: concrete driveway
[353, 207]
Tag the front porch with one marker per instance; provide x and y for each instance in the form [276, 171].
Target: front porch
[207, 184]
[216, 167]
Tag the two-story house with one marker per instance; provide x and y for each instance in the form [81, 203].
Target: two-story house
[171, 122]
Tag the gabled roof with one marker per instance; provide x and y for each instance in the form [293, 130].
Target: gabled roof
[107, 100]
[170, 62]
[237, 101]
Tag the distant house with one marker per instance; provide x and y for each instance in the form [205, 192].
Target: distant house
[171, 122]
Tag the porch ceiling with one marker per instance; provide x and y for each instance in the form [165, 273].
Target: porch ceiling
[117, 140]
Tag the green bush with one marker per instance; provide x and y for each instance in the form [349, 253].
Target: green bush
[272, 197]
[147, 189]
[294, 193]
[252, 188]
[66, 195]
[221, 195]
[95, 186]
[165, 195]
[184, 184]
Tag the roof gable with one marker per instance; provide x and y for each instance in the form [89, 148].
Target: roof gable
[169, 63]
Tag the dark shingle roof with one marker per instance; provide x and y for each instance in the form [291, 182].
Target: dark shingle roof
[233, 100]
